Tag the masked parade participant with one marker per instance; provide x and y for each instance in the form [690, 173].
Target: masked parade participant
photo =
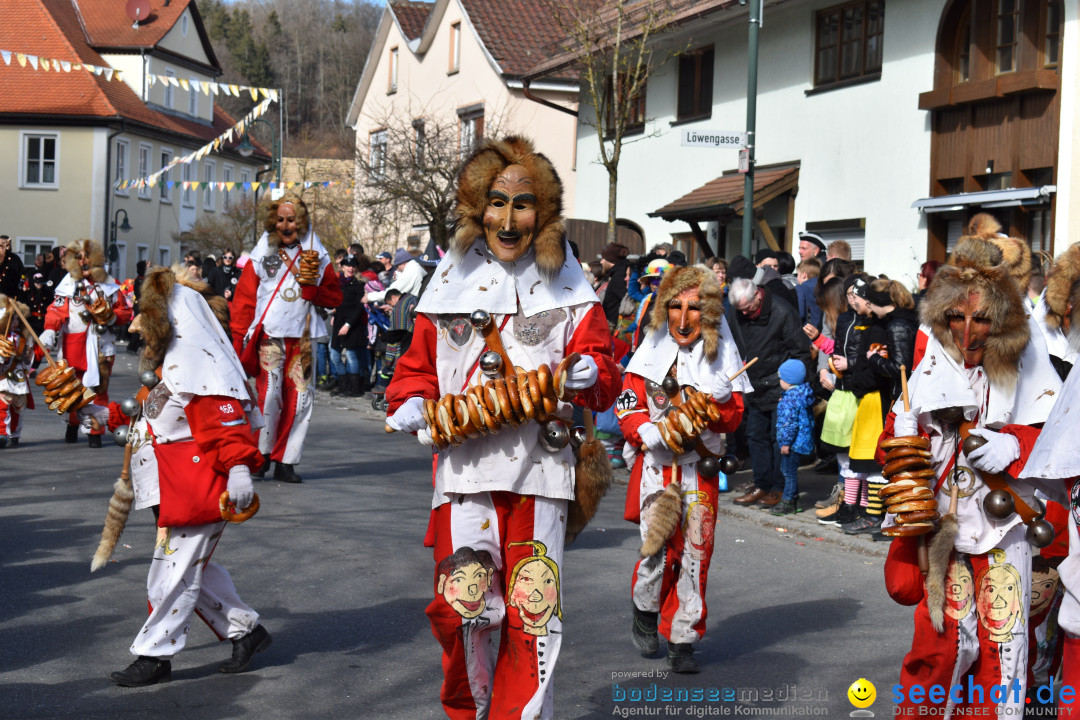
[192, 438]
[978, 395]
[511, 287]
[87, 308]
[273, 321]
[683, 364]
[16, 359]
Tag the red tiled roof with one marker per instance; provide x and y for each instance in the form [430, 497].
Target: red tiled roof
[726, 191]
[514, 31]
[412, 16]
[108, 25]
[50, 29]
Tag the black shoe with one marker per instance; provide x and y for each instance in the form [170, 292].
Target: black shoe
[827, 465]
[844, 514]
[354, 387]
[787, 507]
[71, 435]
[95, 441]
[340, 386]
[263, 469]
[865, 523]
[285, 473]
[14, 442]
[244, 649]
[144, 671]
[680, 657]
[4, 440]
[878, 536]
[643, 633]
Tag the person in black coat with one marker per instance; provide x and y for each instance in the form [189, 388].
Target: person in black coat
[11, 270]
[223, 278]
[348, 339]
[767, 328]
[893, 305]
[613, 259]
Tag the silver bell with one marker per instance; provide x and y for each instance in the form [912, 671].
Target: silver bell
[129, 406]
[149, 379]
[729, 464]
[999, 504]
[554, 436]
[120, 435]
[1040, 533]
[491, 363]
[670, 386]
[480, 319]
[577, 436]
[708, 467]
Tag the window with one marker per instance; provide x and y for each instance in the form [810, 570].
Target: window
[963, 56]
[142, 253]
[1051, 40]
[169, 97]
[121, 167]
[187, 193]
[377, 156]
[163, 256]
[31, 248]
[849, 42]
[193, 97]
[635, 120]
[695, 84]
[455, 48]
[208, 190]
[183, 24]
[391, 85]
[119, 268]
[163, 180]
[420, 139]
[226, 177]
[41, 154]
[472, 130]
[144, 169]
[1008, 17]
[245, 178]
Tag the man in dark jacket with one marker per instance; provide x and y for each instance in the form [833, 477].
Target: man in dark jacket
[224, 277]
[11, 270]
[348, 340]
[613, 259]
[767, 328]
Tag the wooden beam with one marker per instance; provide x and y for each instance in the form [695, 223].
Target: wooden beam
[701, 239]
[791, 234]
[767, 232]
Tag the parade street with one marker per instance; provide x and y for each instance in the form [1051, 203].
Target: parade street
[337, 569]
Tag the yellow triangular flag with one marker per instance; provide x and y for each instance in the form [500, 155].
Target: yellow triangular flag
[21, 58]
[44, 64]
[265, 92]
[234, 90]
[254, 94]
[229, 185]
[205, 86]
[150, 80]
[255, 185]
[184, 84]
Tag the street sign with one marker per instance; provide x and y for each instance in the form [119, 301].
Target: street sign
[713, 139]
[744, 161]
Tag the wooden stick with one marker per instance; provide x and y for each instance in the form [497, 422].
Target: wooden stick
[494, 341]
[7, 326]
[48, 357]
[743, 369]
[903, 389]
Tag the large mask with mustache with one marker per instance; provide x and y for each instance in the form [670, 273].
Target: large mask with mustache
[510, 216]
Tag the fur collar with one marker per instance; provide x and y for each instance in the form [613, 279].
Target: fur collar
[95, 251]
[1063, 287]
[155, 327]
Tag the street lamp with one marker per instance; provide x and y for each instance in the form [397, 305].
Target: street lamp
[246, 149]
[114, 252]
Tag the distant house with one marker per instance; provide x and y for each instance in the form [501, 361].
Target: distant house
[458, 65]
[67, 135]
[887, 125]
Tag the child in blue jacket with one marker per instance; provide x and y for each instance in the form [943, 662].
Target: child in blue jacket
[794, 431]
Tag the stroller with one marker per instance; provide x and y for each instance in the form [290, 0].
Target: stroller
[393, 338]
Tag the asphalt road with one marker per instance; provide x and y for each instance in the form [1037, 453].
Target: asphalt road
[337, 568]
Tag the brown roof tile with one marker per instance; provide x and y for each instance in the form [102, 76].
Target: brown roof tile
[514, 31]
[724, 191]
[108, 25]
[412, 16]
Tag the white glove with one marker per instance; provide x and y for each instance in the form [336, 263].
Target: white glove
[651, 437]
[409, 417]
[1000, 451]
[240, 490]
[48, 339]
[92, 412]
[582, 374]
[721, 389]
[424, 436]
[905, 424]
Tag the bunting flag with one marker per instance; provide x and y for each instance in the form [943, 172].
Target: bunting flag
[202, 86]
[348, 185]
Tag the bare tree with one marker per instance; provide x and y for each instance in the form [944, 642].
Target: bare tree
[615, 46]
[330, 205]
[230, 229]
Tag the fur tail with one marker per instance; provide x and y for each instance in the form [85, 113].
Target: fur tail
[593, 478]
[941, 548]
[664, 516]
[115, 520]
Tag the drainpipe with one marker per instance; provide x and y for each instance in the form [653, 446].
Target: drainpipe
[757, 9]
[108, 184]
[525, 83]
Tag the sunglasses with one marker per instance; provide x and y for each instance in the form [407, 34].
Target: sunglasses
[228, 257]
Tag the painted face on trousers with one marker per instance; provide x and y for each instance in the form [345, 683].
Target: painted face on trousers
[999, 603]
[287, 224]
[684, 317]
[535, 595]
[970, 329]
[510, 216]
[464, 589]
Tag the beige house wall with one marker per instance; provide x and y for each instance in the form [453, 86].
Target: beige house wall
[426, 88]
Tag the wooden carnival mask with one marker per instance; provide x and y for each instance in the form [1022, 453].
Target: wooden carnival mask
[684, 317]
[510, 216]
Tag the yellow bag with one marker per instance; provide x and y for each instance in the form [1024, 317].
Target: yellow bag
[868, 427]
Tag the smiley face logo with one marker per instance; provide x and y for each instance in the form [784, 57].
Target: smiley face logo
[862, 693]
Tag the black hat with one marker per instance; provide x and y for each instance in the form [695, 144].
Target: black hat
[349, 261]
[763, 254]
[812, 238]
[741, 267]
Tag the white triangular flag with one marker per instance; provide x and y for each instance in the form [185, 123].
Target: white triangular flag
[6, 55]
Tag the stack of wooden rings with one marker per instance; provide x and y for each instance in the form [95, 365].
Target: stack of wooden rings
[64, 392]
[683, 424]
[511, 400]
[101, 311]
[12, 346]
[308, 271]
[908, 494]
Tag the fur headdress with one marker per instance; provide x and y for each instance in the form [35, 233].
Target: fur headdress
[1015, 252]
[712, 303]
[96, 253]
[474, 182]
[978, 265]
[303, 220]
[1062, 288]
[154, 325]
[5, 308]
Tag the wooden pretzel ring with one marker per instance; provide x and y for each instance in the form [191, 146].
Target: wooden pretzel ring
[429, 412]
[561, 372]
[925, 474]
[908, 463]
[491, 399]
[66, 403]
[916, 441]
[490, 423]
[550, 405]
[88, 396]
[533, 380]
[528, 408]
[506, 411]
[70, 387]
[514, 393]
[543, 377]
[907, 451]
[898, 487]
[916, 493]
[475, 417]
[229, 513]
[60, 379]
[910, 530]
[464, 419]
[918, 516]
[913, 506]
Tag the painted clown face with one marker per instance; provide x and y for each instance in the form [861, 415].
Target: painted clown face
[287, 224]
[959, 590]
[1043, 588]
[464, 589]
[684, 317]
[970, 329]
[700, 526]
[510, 216]
[999, 603]
[535, 595]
